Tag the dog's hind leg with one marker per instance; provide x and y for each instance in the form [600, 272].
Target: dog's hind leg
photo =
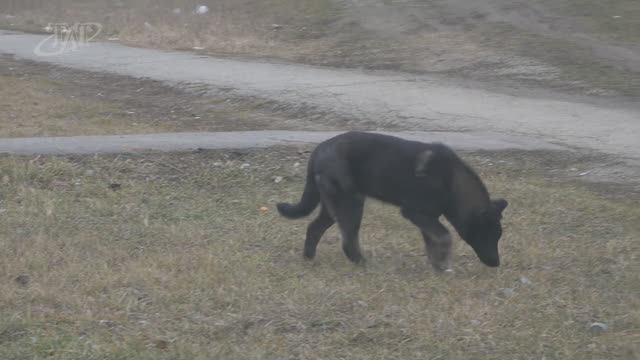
[347, 211]
[315, 230]
[437, 239]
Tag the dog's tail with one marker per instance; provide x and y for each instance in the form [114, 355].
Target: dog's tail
[310, 199]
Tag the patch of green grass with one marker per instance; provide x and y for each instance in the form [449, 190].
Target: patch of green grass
[180, 262]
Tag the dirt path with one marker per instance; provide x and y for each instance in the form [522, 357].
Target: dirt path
[238, 140]
[384, 99]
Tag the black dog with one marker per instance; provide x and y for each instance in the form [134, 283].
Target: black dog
[424, 180]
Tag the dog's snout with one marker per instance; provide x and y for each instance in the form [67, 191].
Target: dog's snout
[491, 261]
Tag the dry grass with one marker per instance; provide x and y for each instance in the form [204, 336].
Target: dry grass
[235, 26]
[180, 263]
[34, 106]
[42, 100]
[617, 18]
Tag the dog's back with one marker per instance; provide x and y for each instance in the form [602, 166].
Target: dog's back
[383, 166]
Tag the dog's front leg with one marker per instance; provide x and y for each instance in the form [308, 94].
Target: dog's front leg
[436, 237]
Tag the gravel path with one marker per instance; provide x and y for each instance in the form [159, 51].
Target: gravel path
[238, 140]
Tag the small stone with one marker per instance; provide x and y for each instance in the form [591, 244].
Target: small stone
[244, 166]
[107, 323]
[22, 279]
[115, 186]
[177, 11]
[278, 179]
[276, 26]
[597, 328]
[201, 10]
[362, 303]
[264, 209]
[162, 344]
[217, 163]
[475, 322]
[525, 281]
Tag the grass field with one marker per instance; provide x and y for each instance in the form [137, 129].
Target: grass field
[41, 100]
[183, 256]
[170, 257]
[235, 26]
[50, 113]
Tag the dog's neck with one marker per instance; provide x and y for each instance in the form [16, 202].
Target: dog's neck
[469, 197]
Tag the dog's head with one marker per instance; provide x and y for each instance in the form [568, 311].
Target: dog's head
[484, 231]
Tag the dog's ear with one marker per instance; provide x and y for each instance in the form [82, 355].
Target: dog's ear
[500, 205]
[422, 160]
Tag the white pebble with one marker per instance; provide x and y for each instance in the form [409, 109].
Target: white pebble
[201, 10]
[524, 280]
[598, 328]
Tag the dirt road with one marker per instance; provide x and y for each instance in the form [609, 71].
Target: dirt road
[239, 139]
[381, 98]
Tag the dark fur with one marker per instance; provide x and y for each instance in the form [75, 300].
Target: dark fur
[424, 180]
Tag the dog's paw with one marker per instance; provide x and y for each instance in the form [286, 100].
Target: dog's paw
[309, 255]
[442, 268]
